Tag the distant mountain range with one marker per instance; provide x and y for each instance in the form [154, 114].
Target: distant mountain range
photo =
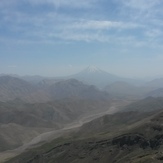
[12, 88]
[40, 89]
[73, 88]
[93, 76]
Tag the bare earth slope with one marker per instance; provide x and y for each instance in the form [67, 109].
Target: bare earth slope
[137, 137]
[141, 143]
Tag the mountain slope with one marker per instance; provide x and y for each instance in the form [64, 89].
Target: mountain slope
[28, 120]
[112, 123]
[93, 76]
[133, 136]
[49, 114]
[100, 78]
[12, 88]
[73, 88]
[156, 83]
[145, 105]
[156, 93]
[14, 135]
[122, 89]
[141, 142]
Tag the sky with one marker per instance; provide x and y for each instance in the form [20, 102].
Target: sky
[62, 37]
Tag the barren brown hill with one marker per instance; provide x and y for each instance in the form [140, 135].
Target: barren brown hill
[133, 136]
[12, 88]
[73, 88]
[31, 118]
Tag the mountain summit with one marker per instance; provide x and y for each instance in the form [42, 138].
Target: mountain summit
[92, 75]
[95, 76]
[92, 69]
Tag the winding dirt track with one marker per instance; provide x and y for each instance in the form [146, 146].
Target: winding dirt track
[48, 136]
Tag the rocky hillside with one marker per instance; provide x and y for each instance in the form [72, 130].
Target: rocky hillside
[125, 90]
[145, 105]
[12, 88]
[73, 88]
[156, 93]
[141, 141]
[32, 119]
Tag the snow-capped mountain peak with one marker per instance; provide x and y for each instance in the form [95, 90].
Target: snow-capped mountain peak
[93, 69]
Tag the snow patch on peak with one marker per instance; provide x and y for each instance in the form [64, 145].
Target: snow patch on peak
[93, 69]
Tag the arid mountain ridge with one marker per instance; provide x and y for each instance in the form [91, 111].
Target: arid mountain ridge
[124, 137]
[12, 88]
[38, 105]
[28, 107]
[37, 88]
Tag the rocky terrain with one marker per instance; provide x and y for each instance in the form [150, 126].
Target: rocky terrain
[130, 136]
[69, 121]
[141, 141]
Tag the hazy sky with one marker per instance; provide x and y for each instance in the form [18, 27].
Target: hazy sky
[58, 37]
